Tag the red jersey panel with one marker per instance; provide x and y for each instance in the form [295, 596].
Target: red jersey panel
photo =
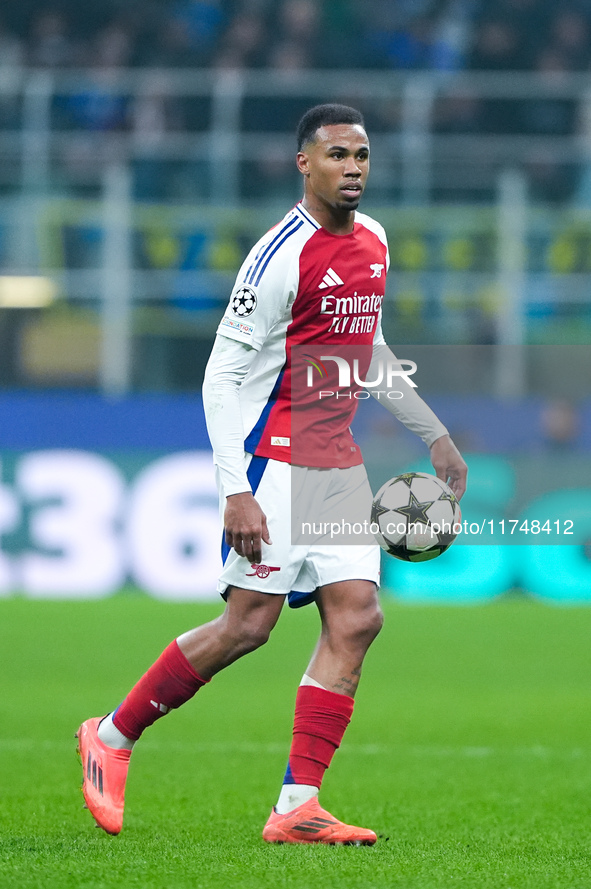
[339, 300]
[303, 286]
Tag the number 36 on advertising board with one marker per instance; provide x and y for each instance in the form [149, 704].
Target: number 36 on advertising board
[72, 524]
[85, 531]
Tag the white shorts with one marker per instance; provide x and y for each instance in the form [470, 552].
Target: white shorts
[298, 569]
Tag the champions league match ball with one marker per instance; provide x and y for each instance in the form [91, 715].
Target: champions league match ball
[417, 516]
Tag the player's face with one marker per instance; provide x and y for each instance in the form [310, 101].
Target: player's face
[336, 165]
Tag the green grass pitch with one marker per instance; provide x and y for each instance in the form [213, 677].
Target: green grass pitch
[469, 753]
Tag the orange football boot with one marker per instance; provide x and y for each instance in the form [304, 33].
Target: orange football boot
[104, 772]
[310, 823]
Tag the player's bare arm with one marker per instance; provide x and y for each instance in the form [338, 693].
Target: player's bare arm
[245, 526]
[449, 465]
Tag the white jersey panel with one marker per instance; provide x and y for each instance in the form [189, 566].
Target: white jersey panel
[267, 283]
[374, 226]
[259, 311]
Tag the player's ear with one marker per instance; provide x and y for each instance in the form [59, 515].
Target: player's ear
[303, 163]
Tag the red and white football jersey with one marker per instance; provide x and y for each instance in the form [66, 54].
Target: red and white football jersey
[300, 286]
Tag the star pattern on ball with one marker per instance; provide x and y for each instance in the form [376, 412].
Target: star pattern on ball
[415, 511]
[427, 505]
[377, 510]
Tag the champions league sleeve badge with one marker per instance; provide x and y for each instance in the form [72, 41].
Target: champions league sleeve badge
[243, 302]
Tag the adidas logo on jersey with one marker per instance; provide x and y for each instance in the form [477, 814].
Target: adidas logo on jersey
[331, 279]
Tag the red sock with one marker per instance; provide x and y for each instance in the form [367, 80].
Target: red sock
[321, 718]
[170, 682]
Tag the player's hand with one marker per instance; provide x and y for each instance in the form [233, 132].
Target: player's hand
[245, 526]
[449, 465]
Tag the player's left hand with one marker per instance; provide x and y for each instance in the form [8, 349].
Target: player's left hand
[449, 465]
[245, 526]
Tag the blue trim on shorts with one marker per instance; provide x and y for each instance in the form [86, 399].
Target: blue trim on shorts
[297, 599]
[254, 474]
[255, 471]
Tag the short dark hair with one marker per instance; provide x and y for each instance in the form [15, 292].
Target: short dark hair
[325, 115]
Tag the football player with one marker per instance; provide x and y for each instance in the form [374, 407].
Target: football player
[316, 278]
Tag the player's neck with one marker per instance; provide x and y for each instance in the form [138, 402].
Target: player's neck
[336, 221]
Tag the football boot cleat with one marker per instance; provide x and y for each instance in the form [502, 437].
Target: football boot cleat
[310, 823]
[104, 772]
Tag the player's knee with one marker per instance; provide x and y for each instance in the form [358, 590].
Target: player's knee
[372, 623]
[251, 637]
[365, 626]
[258, 636]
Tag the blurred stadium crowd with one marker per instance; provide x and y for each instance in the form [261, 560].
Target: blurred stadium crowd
[532, 35]
[86, 86]
[291, 37]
